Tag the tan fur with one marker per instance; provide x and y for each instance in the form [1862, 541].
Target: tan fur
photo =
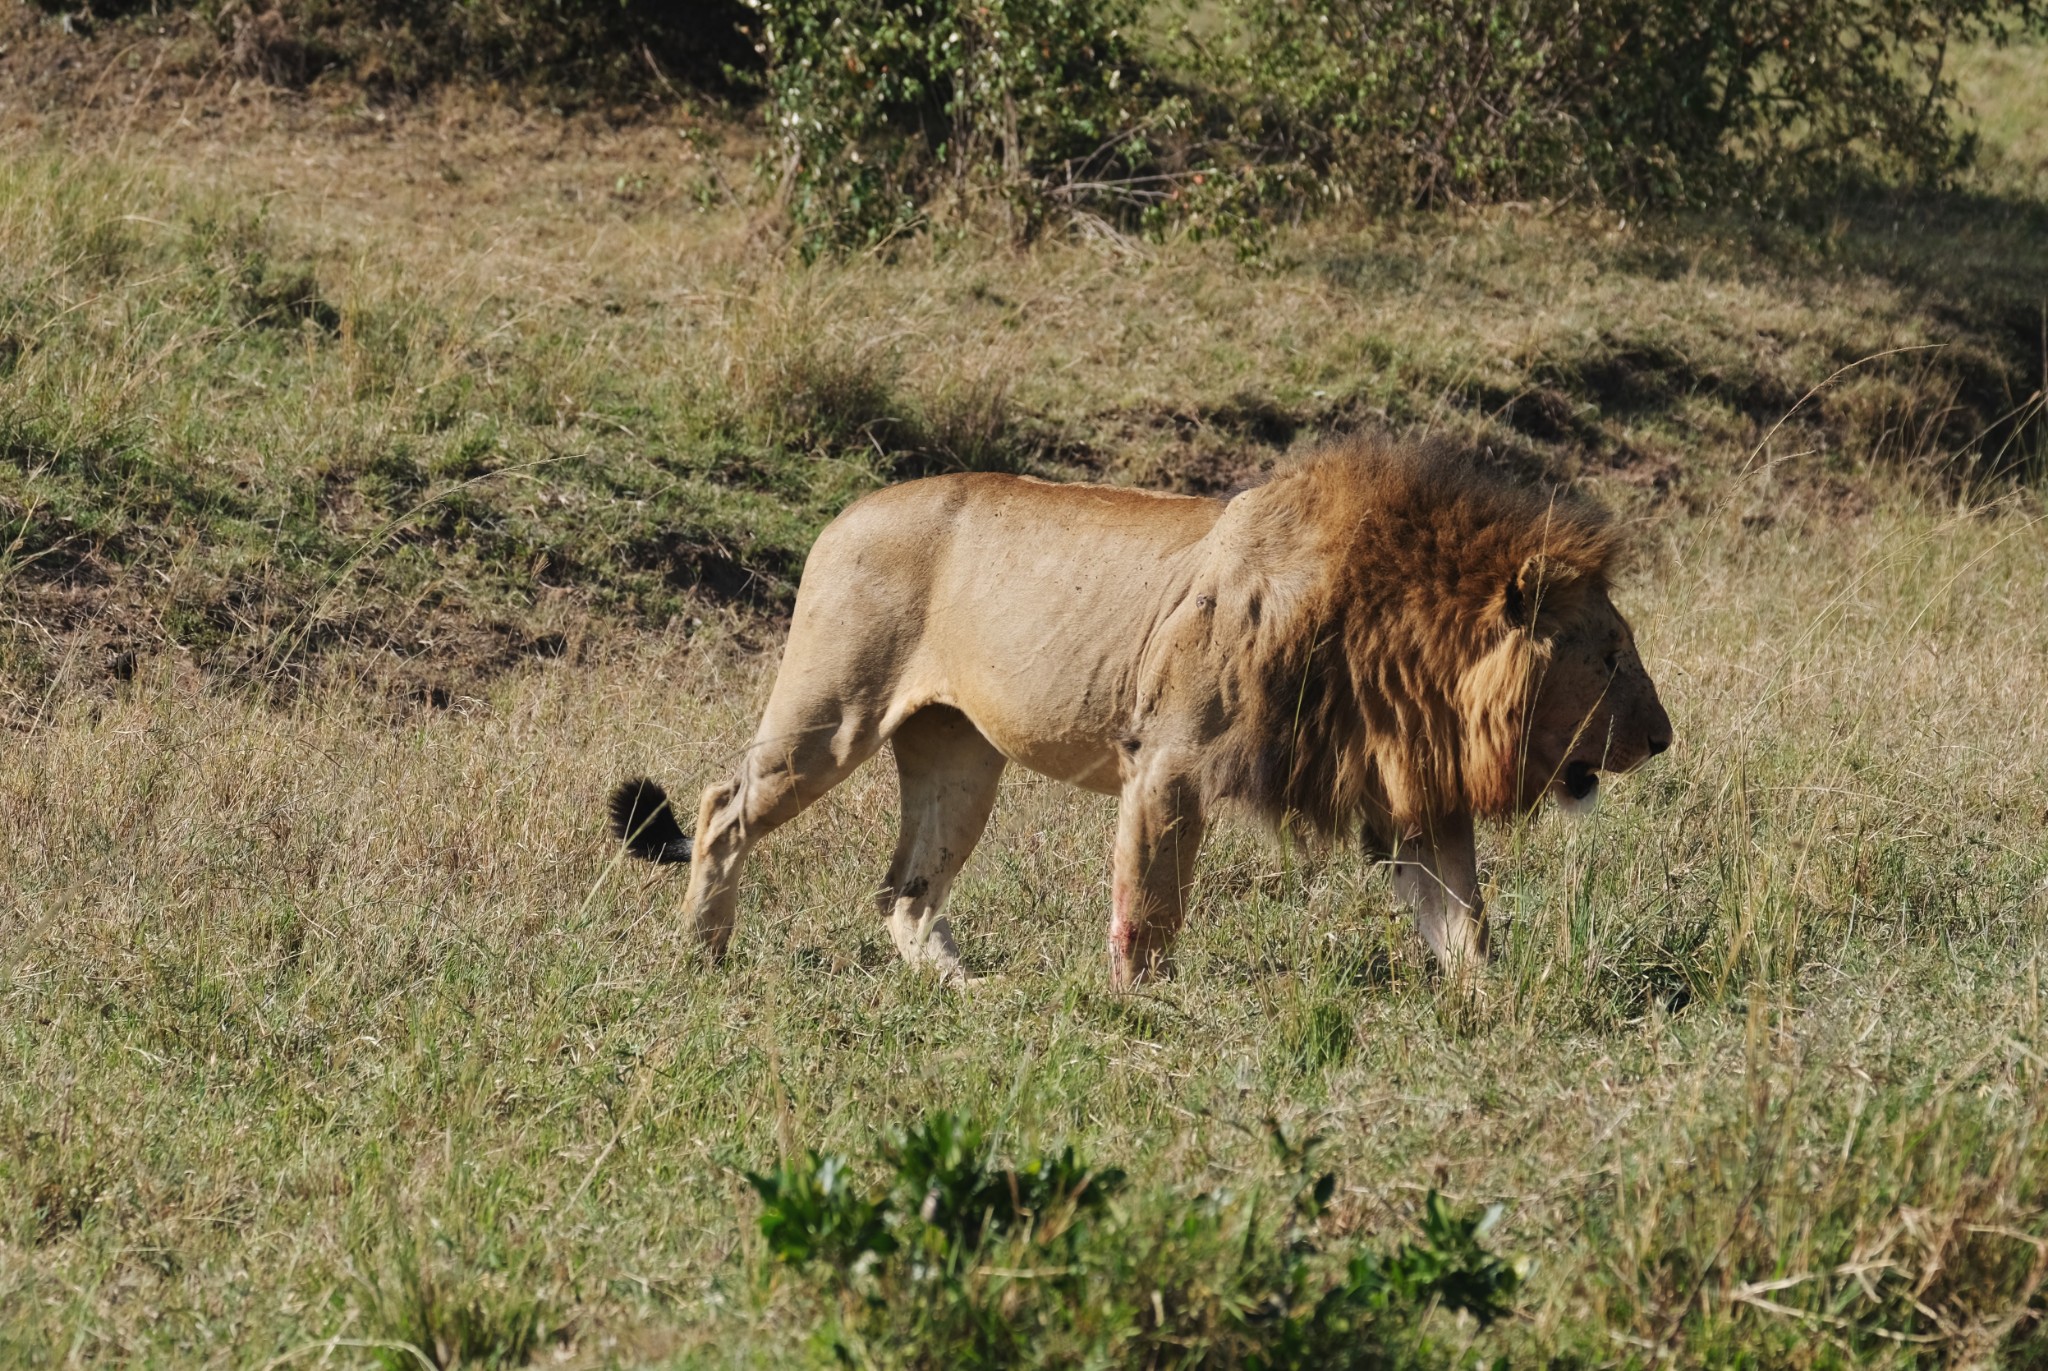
[1380, 636]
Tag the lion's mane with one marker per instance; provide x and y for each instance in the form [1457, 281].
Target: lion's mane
[1380, 671]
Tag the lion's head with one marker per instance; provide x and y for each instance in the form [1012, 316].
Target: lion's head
[1592, 705]
[1437, 640]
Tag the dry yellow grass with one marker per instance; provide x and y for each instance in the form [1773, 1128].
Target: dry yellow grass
[283, 983]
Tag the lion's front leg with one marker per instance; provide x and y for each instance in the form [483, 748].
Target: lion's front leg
[1436, 874]
[1158, 834]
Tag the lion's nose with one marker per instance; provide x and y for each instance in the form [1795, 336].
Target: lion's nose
[1659, 742]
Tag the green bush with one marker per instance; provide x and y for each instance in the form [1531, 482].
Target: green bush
[1426, 101]
[961, 1261]
[893, 112]
[887, 111]
[888, 115]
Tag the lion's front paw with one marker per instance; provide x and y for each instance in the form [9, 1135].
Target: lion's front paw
[1128, 972]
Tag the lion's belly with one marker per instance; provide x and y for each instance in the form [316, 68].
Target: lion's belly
[1084, 763]
[1060, 724]
[1052, 683]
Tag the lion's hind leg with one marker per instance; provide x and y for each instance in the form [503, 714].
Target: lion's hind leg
[788, 767]
[948, 774]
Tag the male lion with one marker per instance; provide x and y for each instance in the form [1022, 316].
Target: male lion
[1380, 635]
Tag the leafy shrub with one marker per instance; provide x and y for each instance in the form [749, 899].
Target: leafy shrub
[960, 1261]
[812, 1213]
[946, 1172]
[889, 109]
[891, 112]
[1439, 100]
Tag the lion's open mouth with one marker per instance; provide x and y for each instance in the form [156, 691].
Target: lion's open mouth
[1581, 779]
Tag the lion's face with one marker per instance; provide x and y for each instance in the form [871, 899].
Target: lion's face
[1595, 708]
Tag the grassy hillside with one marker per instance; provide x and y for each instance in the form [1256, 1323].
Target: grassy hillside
[442, 398]
[374, 493]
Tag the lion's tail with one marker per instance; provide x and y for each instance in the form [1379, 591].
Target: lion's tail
[644, 822]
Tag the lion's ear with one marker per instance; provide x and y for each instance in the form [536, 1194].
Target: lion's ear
[1536, 580]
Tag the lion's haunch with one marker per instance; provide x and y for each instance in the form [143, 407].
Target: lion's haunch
[1379, 639]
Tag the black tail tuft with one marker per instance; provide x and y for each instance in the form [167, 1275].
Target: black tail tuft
[642, 819]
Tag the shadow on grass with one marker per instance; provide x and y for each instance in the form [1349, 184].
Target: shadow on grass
[1946, 377]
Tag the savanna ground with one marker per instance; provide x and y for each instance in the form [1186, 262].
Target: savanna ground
[376, 488]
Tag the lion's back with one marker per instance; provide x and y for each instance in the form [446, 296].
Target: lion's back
[986, 542]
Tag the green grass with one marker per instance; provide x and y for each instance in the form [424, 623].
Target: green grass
[331, 1026]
